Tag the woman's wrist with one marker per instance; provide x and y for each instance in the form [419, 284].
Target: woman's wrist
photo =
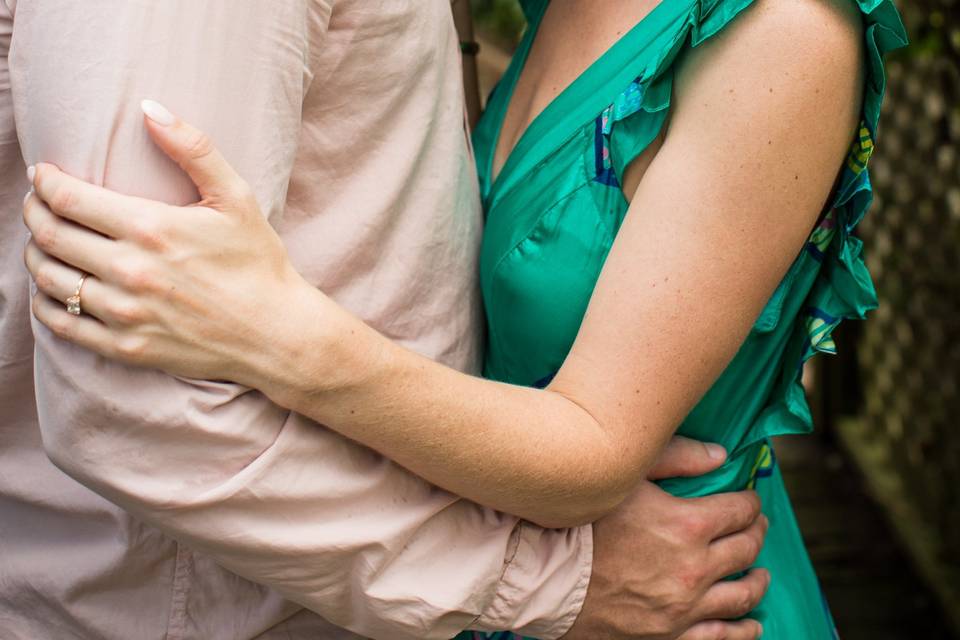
[318, 349]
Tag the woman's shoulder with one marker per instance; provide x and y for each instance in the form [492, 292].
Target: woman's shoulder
[795, 48]
[785, 32]
[825, 23]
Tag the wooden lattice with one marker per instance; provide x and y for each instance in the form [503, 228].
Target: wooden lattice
[910, 348]
[892, 395]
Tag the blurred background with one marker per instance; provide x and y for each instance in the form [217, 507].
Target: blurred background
[877, 487]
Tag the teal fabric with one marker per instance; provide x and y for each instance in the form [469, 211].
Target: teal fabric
[553, 214]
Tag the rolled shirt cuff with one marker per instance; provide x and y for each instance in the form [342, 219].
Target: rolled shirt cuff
[544, 582]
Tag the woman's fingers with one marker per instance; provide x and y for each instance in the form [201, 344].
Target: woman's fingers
[81, 330]
[737, 551]
[110, 213]
[732, 599]
[77, 246]
[724, 630]
[53, 277]
[98, 299]
[195, 152]
[684, 457]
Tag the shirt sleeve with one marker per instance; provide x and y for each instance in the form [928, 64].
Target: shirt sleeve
[268, 494]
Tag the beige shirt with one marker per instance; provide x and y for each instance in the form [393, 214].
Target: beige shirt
[347, 118]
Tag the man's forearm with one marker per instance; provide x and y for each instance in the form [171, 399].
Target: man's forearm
[284, 502]
[265, 492]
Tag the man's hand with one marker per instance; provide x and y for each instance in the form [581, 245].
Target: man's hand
[659, 562]
[686, 458]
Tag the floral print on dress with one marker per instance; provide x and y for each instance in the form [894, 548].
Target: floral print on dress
[626, 104]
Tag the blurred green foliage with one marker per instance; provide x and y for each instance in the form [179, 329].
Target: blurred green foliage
[499, 20]
[934, 30]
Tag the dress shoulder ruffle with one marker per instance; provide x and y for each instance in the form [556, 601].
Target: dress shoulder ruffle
[841, 284]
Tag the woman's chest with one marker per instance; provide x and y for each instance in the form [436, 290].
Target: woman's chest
[545, 243]
[571, 37]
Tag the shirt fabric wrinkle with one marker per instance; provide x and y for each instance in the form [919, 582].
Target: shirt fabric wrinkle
[209, 482]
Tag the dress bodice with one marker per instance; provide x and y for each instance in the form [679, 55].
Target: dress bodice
[553, 213]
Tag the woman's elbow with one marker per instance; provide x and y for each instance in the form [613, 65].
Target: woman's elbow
[584, 499]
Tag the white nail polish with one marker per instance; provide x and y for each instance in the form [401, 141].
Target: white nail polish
[31, 171]
[157, 112]
[27, 197]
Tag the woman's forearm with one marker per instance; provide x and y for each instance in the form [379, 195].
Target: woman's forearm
[529, 452]
[208, 291]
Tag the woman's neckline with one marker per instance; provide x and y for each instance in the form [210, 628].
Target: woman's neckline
[513, 79]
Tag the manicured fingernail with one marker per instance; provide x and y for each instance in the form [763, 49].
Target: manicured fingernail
[716, 451]
[27, 196]
[31, 171]
[157, 112]
[759, 630]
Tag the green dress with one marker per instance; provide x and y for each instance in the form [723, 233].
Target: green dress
[554, 211]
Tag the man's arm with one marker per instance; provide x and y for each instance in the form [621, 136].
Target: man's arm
[270, 495]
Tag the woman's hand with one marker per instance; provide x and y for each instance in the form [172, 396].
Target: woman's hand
[198, 291]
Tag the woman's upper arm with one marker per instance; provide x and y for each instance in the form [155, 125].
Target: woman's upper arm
[763, 115]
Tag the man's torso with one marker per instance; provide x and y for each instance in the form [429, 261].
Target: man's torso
[381, 212]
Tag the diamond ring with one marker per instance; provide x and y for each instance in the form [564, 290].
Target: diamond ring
[73, 302]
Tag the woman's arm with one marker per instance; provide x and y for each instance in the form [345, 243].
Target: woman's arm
[718, 218]
[722, 211]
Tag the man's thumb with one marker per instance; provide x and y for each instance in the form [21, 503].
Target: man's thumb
[684, 457]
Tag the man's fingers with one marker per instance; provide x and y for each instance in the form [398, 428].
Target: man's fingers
[738, 551]
[723, 630]
[732, 599]
[86, 204]
[727, 513]
[195, 152]
[684, 457]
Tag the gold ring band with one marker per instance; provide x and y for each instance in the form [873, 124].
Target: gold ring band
[73, 302]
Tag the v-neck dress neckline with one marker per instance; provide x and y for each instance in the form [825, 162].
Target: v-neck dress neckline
[579, 101]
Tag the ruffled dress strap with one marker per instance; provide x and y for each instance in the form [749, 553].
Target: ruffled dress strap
[829, 281]
[641, 110]
[843, 288]
[533, 9]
